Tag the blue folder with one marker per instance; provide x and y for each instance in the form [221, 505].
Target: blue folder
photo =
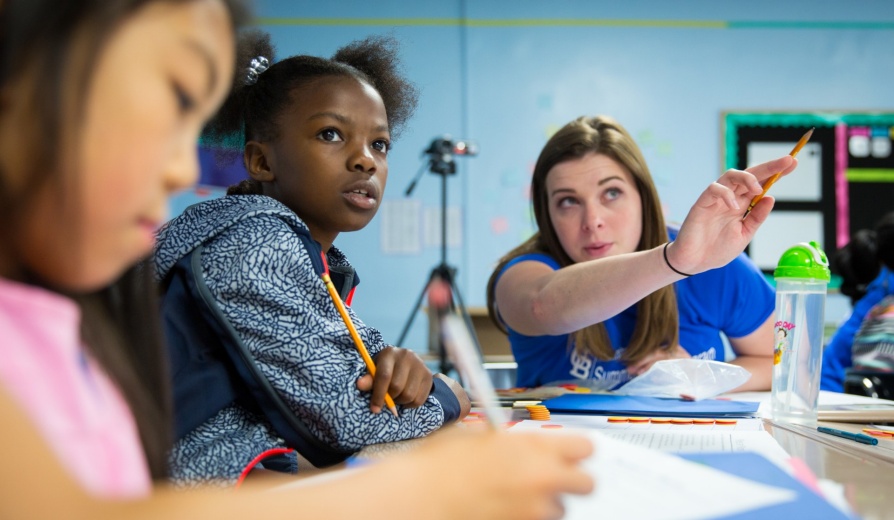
[609, 404]
[752, 466]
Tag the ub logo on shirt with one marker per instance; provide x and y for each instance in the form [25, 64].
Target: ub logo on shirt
[710, 354]
[586, 366]
[581, 364]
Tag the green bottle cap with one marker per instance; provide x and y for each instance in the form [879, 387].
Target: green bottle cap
[804, 260]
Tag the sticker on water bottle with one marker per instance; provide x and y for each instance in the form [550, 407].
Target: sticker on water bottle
[783, 339]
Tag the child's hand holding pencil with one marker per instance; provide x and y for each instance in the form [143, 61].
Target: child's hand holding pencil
[358, 341]
[501, 475]
[401, 374]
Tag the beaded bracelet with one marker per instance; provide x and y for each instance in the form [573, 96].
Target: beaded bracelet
[672, 268]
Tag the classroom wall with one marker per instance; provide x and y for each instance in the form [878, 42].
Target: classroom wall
[507, 73]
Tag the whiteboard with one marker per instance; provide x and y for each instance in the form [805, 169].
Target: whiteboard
[782, 230]
[803, 184]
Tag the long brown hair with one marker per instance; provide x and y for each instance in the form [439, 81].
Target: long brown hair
[56, 45]
[656, 325]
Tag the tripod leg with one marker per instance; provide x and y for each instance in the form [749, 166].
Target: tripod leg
[446, 273]
[416, 307]
[464, 313]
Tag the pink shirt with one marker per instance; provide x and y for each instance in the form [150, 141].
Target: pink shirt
[79, 411]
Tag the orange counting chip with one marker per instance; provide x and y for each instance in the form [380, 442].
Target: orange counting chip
[878, 433]
[725, 422]
[703, 421]
[538, 412]
[638, 419]
[618, 419]
[660, 420]
[551, 426]
[681, 421]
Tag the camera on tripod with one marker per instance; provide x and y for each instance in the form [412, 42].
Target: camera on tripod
[441, 160]
[446, 146]
[442, 150]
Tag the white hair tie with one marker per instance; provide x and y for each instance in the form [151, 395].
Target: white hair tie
[257, 65]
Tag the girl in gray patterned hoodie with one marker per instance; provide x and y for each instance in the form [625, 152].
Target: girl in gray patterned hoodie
[316, 138]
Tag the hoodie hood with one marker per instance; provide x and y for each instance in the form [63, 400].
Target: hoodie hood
[205, 220]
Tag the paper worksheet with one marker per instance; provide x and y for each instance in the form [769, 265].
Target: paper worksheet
[676, 488]
[688, 439]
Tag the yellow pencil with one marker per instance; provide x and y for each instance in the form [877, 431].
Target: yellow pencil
[358, 341]
[775, 177]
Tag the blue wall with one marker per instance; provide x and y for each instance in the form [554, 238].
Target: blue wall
[508, 73]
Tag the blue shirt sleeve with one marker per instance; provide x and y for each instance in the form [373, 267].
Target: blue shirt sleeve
[448, 400]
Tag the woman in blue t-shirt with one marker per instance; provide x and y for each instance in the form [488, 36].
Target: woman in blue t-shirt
[601, 291]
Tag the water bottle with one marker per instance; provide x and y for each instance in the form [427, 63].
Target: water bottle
[801, 279]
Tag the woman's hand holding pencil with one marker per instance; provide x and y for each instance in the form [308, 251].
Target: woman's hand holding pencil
[714, 231]
[800, 144]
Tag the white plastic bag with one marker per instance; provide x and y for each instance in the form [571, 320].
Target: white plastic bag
[688, 378]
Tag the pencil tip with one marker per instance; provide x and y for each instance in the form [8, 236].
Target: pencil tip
[393, 411]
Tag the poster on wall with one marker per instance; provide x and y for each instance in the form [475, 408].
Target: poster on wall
[844, 181]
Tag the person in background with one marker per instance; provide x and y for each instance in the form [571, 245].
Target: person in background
[605, 288]
[101, 104]
[866, 266]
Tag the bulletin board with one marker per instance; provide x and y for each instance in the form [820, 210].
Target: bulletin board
[844, 181]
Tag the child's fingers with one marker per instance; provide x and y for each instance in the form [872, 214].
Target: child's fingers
[577, 479]
[419, 384]
[396, 382]
[411, 380]
[415, 389]
[384, 371]
[365, 383]
[570, 450]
